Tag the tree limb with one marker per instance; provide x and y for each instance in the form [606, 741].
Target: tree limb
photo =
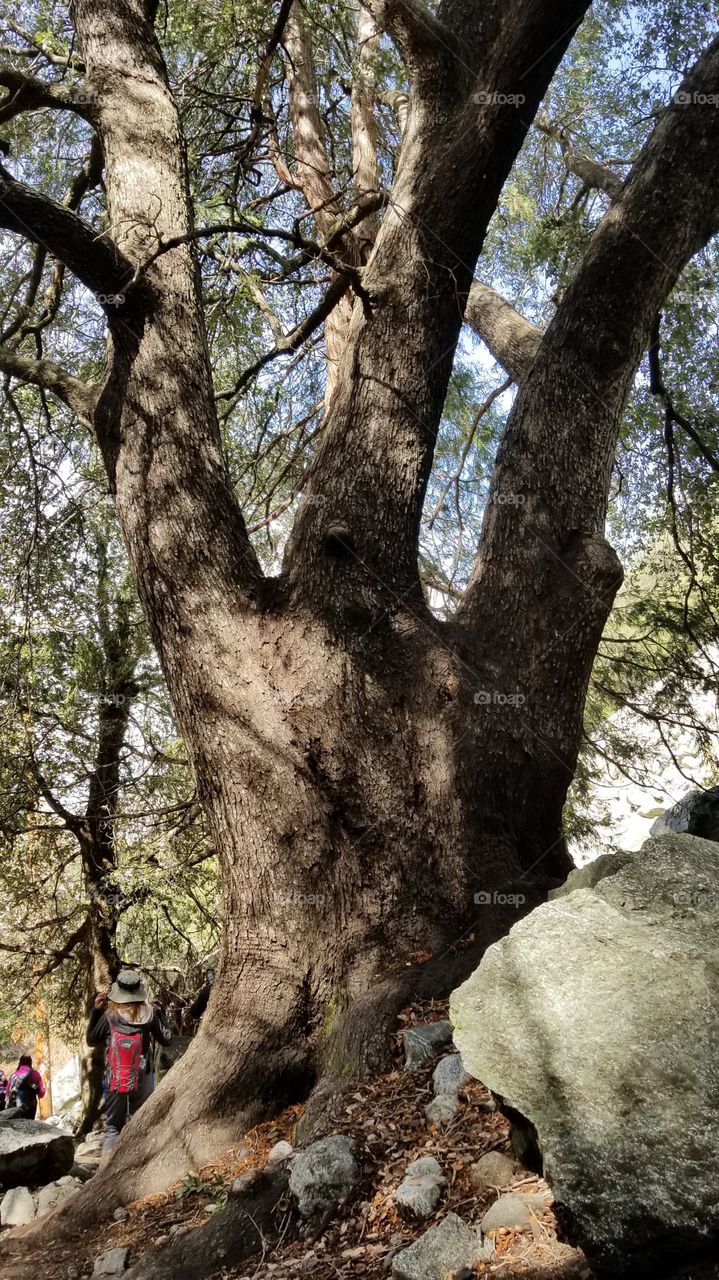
[293, 340]
[365, 166]
[29, 93]
[512, 340]
[560, 440]
[592, 174]
[93, 258]
[422, 40]
[80, 397]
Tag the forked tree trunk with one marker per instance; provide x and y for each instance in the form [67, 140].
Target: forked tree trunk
[380, 785]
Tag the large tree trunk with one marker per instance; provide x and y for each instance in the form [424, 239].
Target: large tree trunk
[380, 786]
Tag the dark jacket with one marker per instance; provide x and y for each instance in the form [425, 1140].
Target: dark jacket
[151, 1026]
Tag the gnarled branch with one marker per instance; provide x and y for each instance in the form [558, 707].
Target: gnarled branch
[80, 397]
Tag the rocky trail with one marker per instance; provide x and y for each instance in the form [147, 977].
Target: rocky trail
[403, 1194]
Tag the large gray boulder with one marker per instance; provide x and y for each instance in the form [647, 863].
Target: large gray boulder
[33, 1153]
[697, 814]
[597, 1019]
[325, 1173]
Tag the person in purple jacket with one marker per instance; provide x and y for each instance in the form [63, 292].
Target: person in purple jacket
[24, 1088]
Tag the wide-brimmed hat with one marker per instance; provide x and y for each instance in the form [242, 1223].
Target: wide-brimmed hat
[128, 988]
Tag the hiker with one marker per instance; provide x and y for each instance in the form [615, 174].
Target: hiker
[124, 1020]
[24, 1088]
[3, 1087]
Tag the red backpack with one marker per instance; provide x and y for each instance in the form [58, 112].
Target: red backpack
[124, 1060]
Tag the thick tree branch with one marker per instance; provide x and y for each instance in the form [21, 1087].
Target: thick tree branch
[365, 167]
[558, 447]
[512, 340]
[423, 42]
[94, 259]
[312, 161]
[593, 175]
[456, 154]
[29, 93]
[80, 397]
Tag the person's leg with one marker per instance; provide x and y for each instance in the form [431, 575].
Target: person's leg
[116, 1114]
[146, 1086]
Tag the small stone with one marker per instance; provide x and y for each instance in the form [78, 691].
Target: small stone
[493, 1169]
[442, 1110]
[120, 1215]
[419, 1193]
[179, 1229]
[280, 1151]
[111, 1263]
[513, 1210]
[325, 1172]
[421, 1041]
[443, 1249]
[243, 1181]
[17, 1207]
[449, 1075]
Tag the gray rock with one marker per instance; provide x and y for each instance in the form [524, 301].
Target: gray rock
[421, 1188]
[587, 877]
[442, 1110]
[697, 814]
[33, 1153]
[449, 1075]
[493, 1169]
[243, 1181]
[111, 1263]
[604, 1009]
[179, 1229]
[17, 1208]
[440, 1251]
[421, 1041]
[325, 1173]
[513, 1210]
[90, 1147]
[120, 1215]
[280, 1151]
[55, 1194]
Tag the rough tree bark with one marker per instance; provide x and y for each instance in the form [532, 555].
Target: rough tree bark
[97, 831]
[366, 770]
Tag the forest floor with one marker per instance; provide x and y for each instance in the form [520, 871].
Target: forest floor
[386, 1116]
